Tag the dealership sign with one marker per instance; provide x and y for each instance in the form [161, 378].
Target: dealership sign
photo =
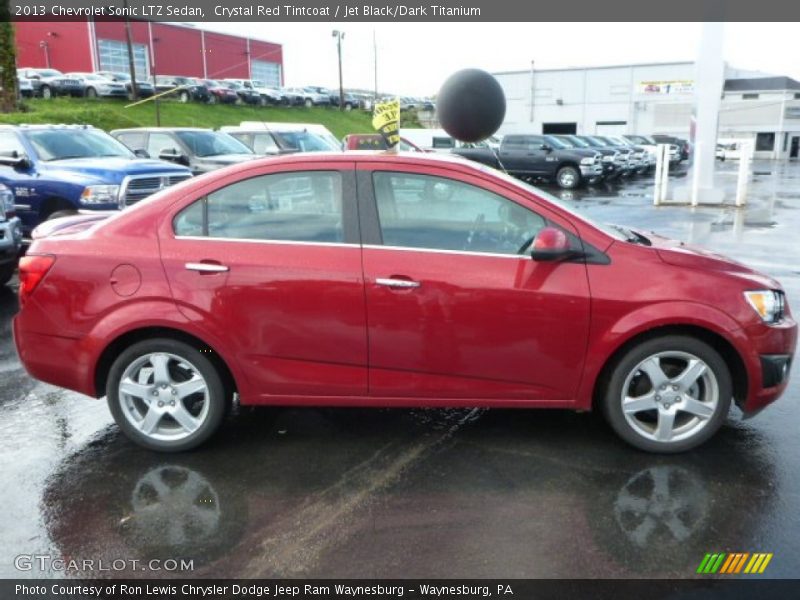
[674, 86]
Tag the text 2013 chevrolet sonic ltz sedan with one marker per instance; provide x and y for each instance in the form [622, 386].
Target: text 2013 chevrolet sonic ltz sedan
[377, 280]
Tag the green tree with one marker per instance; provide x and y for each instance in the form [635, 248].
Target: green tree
[8, 61]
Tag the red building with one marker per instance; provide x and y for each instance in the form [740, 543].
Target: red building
[159, 48]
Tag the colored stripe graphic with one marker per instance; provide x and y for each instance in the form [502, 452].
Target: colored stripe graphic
[734, 563]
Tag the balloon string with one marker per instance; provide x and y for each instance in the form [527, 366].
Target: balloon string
[497, 158]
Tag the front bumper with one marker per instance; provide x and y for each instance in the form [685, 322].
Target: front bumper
[10, 240]
[769, 358]
[595, 170]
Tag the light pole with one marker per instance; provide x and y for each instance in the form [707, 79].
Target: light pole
[339, 35]
[131, 62]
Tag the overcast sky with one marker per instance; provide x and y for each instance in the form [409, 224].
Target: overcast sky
[415, 58]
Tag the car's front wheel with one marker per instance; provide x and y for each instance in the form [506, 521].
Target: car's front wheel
[91, 92]
[184, 97]
[165, 395]
[668, 394]
[46, 92]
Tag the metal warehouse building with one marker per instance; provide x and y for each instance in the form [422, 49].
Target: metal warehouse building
[159, 48]
[653, 98]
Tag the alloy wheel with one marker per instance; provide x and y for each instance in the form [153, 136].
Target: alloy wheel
[670, 396]
[164, 396]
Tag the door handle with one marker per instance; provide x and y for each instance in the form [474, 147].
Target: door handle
[397, 283]
[204, 267]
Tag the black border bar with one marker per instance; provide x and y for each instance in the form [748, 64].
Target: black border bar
[408, 10]
[295, 589]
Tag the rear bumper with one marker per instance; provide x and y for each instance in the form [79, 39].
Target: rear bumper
[61, 361]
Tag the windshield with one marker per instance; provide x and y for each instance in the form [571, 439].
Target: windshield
[578, 142]
[555, 142]
[61, 144]
[211, 143]
[566, 205]
[306, 141]
[638, 139]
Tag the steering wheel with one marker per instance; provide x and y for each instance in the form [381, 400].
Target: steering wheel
[477, 227]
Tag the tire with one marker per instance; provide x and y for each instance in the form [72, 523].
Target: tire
[46, 92]
[568, 177]
[68, 212]
[684, 414]
[348, 107]
[308, 103]
[212, 99]
[7, 272]
[179, 422]
[183, 97]
[91, 92]
[262, 100]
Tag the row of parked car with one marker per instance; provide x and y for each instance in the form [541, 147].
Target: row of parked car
[48, 83]
[569, 161]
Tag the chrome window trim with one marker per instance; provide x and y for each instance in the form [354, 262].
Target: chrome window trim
[347, 245]
[272, 242]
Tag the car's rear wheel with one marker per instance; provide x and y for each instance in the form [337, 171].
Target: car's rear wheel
[568, 177]
[47, 93]
[165, 395]
[309, 103]
[668, 394]
[184, 97]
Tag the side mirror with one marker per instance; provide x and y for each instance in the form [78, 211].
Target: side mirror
[171, 154]
[14, 159]
[551, 244]
[141, 153]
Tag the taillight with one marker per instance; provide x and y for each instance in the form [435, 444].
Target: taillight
[32, 269]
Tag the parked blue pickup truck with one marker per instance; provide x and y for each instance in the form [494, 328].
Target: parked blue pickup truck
[57, 170]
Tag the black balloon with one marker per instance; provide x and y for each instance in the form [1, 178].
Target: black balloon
[471, 105]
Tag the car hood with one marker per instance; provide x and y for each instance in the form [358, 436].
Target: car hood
[222, 160]
[680, 254]
[110, 170]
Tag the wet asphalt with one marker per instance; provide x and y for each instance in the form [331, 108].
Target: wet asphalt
[420, 493]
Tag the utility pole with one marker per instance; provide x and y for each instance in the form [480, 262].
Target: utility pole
[375, 62]
[339, 35]
[131, 62]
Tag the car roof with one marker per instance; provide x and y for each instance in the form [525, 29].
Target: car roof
[161, 129]
[60, 126]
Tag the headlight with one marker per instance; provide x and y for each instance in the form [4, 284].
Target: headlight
[100, 194]
[587, 161]
[769, 304]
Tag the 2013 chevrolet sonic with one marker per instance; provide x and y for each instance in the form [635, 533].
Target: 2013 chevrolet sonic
[392, 280]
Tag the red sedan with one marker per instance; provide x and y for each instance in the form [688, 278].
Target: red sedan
[378, 280]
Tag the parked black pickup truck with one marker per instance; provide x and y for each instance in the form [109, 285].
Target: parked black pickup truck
[540, 157]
